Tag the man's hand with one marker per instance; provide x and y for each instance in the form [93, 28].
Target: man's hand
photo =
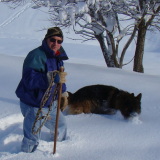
[59, 77]
[62, 76]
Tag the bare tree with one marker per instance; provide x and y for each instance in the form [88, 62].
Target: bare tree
[96, 20]
[145, 14]
[150, 13]
[108, 22]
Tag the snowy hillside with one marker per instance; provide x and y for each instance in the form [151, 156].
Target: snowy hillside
[90, 136]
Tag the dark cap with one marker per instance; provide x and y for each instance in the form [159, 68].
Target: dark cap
[54, 31]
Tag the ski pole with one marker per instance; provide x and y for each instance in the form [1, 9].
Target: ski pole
[57, 115]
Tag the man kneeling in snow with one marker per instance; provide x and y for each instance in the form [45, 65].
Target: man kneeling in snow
[39, 66]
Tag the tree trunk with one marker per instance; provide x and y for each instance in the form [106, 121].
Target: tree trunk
[138, 59]
[113, 51]
[108, 59]
[126, 47]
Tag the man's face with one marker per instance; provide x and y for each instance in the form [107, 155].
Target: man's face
[54, 43]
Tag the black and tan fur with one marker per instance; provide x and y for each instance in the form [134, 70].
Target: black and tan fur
[103, 99]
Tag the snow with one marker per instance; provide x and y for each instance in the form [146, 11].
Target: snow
[87, 18]
[62, 15]
[89, 136]
[81, 7]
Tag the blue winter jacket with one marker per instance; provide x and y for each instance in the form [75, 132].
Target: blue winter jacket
[34, 80]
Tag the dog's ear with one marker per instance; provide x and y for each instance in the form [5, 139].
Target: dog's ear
[139, 96]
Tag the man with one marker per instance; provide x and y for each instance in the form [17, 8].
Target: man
[39, 66]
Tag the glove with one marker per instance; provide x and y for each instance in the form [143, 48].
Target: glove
[64, 101]
[59, 77]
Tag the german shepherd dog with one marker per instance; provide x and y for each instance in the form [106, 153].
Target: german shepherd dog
[103, 99]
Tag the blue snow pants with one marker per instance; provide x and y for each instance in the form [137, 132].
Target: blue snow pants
[30, 141]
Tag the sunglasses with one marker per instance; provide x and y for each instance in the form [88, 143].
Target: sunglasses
[54, 40]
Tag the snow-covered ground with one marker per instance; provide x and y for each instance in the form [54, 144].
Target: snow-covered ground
[90, 136]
